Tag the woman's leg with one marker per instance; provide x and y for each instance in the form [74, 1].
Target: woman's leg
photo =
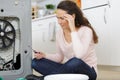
[76, 65]
[44, 66]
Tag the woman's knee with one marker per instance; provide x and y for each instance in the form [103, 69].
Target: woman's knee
[74, 62]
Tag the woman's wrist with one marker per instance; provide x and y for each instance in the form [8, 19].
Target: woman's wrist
[43, 55]
[73, 29]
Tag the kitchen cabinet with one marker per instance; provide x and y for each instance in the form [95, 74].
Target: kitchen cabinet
[105, 20]
[103, 16]
[43, 33]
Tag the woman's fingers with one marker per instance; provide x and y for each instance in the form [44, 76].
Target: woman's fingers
[71, 21]
[38, 55]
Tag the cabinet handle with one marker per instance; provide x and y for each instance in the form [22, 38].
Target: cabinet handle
[52, 26]
[43, 36]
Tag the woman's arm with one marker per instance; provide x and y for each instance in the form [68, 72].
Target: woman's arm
[81, 41]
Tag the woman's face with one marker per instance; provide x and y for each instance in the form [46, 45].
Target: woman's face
[61, 20]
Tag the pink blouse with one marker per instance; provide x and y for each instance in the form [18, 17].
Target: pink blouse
[82, 47]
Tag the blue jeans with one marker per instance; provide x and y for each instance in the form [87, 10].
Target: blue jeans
[74, 65]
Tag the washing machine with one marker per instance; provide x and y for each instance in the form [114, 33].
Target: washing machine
[15, 39]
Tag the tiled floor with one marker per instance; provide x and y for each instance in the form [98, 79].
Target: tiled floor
[108, 75]
[103, 74]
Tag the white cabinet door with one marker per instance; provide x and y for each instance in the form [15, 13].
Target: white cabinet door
[105, 20]
[96, 18]
[43, 34]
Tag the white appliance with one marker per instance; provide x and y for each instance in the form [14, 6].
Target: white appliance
[15, 37]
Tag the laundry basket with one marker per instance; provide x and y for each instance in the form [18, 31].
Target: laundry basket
[67, 77]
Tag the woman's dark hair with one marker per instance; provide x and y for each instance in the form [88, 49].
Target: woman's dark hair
[71, 8]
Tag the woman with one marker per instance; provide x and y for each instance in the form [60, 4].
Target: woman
[75, 41]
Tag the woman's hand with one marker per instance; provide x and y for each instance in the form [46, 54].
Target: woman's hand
[71, 21]
[39, 55]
